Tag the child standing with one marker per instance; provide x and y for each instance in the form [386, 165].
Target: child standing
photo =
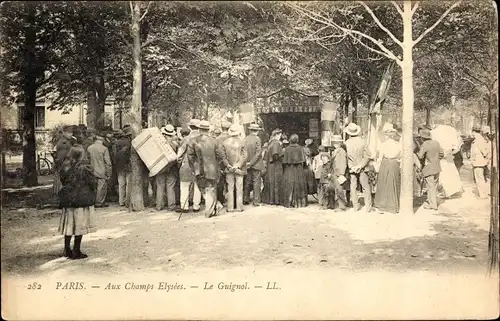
[317, 166]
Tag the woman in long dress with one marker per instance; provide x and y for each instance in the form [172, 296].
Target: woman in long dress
[294, 174]
[308, 171]
[450, 142]
[274, 170]
[77, 200]
[389, 174]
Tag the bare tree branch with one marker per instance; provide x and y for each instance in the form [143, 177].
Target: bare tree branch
[377, 21]
[398, 8]
[323, 20]
[414, 9]
[131, 9]
[456, 4]
[374, 50]
[146, 11]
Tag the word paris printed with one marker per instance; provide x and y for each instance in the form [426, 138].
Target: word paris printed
[164, 286]
[257, 160]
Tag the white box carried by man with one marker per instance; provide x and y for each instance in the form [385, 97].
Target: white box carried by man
[154, 150]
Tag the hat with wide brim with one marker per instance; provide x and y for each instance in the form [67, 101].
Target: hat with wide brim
[127, 131]
[425, 133]
[389, 128]
[476, 128]
[204, 125]
[276, 132]
[225, 124]
[233, 130]
[254, 127]
[194, 123]
[486, 130]
[352, 129]
[168, 130]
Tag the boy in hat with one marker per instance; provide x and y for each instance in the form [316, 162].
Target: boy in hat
[205, 167]
[317, 167]
[235, 161]
[122, 150]
[101, 165]
[429, 151]
[480, 155]
[253, 180]
[358, 157]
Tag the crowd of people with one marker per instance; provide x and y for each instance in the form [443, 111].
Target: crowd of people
[220, 169]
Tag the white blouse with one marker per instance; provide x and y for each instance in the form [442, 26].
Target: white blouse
[390, 149]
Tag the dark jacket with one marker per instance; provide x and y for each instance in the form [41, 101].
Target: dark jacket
[253, 146]
[429, 151]
[202, 158]
[122, 154]
[79, 185]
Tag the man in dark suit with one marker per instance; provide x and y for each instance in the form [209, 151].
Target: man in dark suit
[205, 166]
[255, 165]
[429, 151]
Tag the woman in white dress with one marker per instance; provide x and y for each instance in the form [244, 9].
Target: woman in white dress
[449, 140]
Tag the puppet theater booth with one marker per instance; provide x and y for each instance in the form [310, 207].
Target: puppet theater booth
[297, 113]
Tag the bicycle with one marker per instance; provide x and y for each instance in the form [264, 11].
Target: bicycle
[44, 166]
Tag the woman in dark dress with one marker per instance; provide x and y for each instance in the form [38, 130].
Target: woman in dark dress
[77, 200]
[294, 177]
[274, 170]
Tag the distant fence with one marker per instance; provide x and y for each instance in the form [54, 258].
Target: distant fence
[12, 140]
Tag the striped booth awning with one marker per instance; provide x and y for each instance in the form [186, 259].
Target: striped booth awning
[287, 101]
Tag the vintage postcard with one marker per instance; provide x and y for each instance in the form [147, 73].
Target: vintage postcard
[256, 160]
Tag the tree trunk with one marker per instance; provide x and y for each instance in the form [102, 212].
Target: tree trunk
[406, 200]
[100, 102]
[91, 108]
[136, 197]
[352, 94]
[427, 116]
[493, 242]
[30, 74]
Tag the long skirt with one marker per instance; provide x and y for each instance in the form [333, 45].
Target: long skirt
[388, 186]
[449, 178]
[311, 181]
[77, 221]
[273, 184]
[294, 186]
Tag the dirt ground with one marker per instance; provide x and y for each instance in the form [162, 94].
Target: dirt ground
[456, 238]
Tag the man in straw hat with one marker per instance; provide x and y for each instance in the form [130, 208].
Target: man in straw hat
[101, 165]
[166, 179]
[189, 191]
[480, 155]
[253, 180]
[122, 149]
[204, 164]
[222, 186]
[234, 160]
[358, 157]
[429, 151]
